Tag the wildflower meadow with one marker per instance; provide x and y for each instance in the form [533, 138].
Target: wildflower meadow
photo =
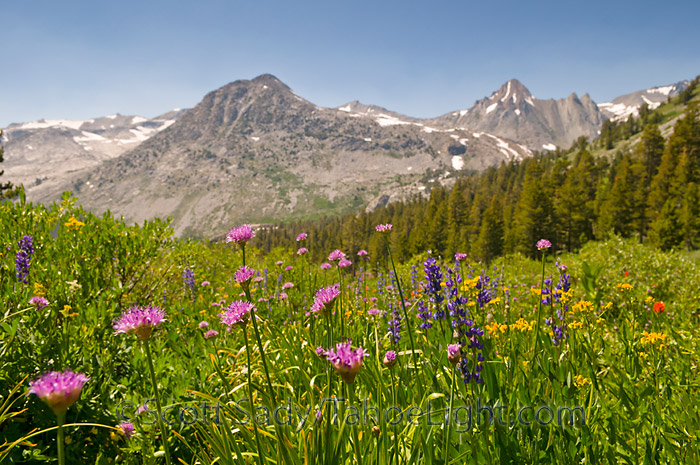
[122, 344]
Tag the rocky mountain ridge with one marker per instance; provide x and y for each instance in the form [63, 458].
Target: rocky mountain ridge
[256, 151]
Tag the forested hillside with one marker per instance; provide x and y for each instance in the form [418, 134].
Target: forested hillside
[631, 181]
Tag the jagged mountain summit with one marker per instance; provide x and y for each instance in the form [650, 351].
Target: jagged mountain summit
[47, 150]
[255, 151]
[620, 108]
[514, 113]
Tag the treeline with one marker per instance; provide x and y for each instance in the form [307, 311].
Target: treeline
[569, 197]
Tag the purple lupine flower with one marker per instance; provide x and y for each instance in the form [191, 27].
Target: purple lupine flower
[395, 327]
[384, 228]
[210, 334]
[302, 251]
[126, 429]
[336, 255]
[543, 244]
[38, 302]
[433, 286]
[140, 321]
[325, 298]
[344, 263]
[325, 266]
[240, 235]
[302, 236]
[237, 314]
[58, 390]
[471, 367]
[190, 285]
[389, 359]
[346, 361]
[23, 258]
[424, 315]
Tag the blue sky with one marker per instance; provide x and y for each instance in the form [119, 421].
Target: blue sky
[80, 59]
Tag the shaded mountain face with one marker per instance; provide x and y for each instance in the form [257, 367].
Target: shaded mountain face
[620, 108]
[512, 112]
[47, 150]
[255, 151]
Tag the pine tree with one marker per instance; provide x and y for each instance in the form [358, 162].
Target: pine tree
[650, 150]
[623, 210]
[575, 202]
[457, 213]
[490, 242]
[533, 213]
[665, 232]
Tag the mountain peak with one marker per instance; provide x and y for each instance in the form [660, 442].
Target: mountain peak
[267, 79]
[511, 88]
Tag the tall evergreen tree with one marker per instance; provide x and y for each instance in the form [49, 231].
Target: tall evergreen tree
[490, 242]
[457, 214]
[533, 214]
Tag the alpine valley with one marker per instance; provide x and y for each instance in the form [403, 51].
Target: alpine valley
[255, 151]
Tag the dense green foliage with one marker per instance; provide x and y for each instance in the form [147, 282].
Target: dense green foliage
[631, 371]
[650, 192]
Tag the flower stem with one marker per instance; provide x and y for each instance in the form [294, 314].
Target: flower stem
[396, 434]
[250, 393]
[403, 306]
[539, 313]
[449, 419]
[163, 432]
[61, 417]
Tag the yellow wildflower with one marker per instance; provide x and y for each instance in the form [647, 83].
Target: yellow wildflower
[74, 224]
[576, 325]
[624, 287]
[39, 289]
[607, 306]
[67, 311]
[583, 306]
[600, 321]
[649, 300]
[535, 291]
[521, 325]
[654, 339]
[566, 297]
[580, 381]
[497, 300]
[495, 328]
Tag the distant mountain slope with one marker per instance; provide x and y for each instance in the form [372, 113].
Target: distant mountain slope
[256, 151]
[47, 150]
[514, 113]
[623, 106]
